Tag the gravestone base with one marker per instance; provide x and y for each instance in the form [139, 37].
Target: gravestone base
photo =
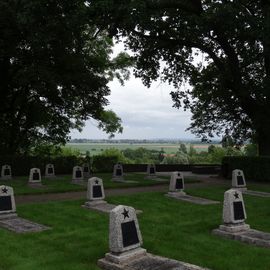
[35, 185]
[21, 225]
[234, 228]
[8, 216]
[78, 182]
[139, 259]
[248, 236]
[242, 189]
[50, 176]
[102, 206]
[155, 178]
[257, 193]
[188, 198]
[122, 180]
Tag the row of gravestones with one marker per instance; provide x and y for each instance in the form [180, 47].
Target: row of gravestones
[35, 174]
[118, 171]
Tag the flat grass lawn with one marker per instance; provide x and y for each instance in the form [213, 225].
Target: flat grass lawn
[63, 183]
[171, 228]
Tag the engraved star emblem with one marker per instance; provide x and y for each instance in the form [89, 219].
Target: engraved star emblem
[236, 195]
[4, 190]
[96, 182]
[125, 214]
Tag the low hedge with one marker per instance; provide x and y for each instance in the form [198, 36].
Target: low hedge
[104, 163]
[21, 165]
[254, 168]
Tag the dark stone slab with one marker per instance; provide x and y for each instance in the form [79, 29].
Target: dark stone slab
[238, 210]
[129, 233]
[50, 170]
[97, 192]
[78, 174]
[5, 203]
[118, 172]
[7, 172]
[36, 176]
[240, 180]
[179, 184]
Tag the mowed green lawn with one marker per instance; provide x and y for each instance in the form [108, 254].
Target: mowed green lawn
[171, 228]
[63, 183]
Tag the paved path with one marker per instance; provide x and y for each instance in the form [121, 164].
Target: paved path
[76, 195]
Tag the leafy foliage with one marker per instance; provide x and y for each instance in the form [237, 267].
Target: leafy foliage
[215, 53]
[55, 65]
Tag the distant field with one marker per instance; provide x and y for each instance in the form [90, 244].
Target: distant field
[97, 148]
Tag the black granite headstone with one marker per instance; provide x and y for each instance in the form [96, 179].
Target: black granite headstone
[6, 171]
[97, 193]
[118, 172]
[78, 174]
[240, 180]
[86, 169]
[238, 210]
[129, 233]
[5, 203]
[179, 183]
[36, 176]
[152, 170]
[50, 170]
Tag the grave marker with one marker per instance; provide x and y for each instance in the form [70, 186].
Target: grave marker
[95, 189]
[238, 180]
[233, 207]
[6, 172]
[151, 170]
[49, 171]
[177, 183]
[118, 172]
[34, 176]
[124, 229]
[86, 171]
[125, 242]
[7, 202]
[77, 173]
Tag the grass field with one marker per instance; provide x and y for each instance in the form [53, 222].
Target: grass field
[63, 183]
[170, 228]
[97, 148]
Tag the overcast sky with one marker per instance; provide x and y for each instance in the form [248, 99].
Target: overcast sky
[146, 113]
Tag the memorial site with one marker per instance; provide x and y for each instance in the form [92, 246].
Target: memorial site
[135, 135]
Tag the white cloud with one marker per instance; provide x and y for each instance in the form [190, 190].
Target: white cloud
[145, 113]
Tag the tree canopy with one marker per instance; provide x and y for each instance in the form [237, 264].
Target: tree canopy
[216, 53]
[55, 65]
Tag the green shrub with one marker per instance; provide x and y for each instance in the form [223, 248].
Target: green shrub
[254, 168]
[103, 163]
[21, 165]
